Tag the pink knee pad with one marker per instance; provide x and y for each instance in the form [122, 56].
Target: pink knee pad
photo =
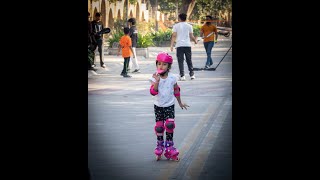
[159, 128]
[169, 125]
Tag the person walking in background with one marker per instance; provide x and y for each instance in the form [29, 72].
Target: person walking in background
[133, 33]
[97, 26]
[165, 89]
[91, 45]
[125, 47]
[209, 34]
[182, 32]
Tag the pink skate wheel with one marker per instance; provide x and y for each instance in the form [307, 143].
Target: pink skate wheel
[175, 158]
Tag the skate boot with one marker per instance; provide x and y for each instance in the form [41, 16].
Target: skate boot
[171, 152]
[159, 150]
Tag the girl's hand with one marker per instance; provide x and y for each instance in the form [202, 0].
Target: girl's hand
[156, 76]
[183, 105]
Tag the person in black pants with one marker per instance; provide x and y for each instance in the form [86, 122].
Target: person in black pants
[91, 45]
[182, 32]
[97, 26]
[133, 33]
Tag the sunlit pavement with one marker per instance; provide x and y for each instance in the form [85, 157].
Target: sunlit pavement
[121, 120]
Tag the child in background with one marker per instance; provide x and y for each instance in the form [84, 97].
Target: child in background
[125, 45]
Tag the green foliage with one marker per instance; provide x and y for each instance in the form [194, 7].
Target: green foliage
[144, 41]
[119, 24]
[201, 8]
[172, 18]
[132, 1]
[90, 56]
[115, 37]
[168, 6]
[212, 7]
[161, 36]
[196, 30]
[111, 1]
[145, 27]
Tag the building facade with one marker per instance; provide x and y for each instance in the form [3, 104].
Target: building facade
[141, 10]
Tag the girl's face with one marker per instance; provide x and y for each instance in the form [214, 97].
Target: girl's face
[163, 66]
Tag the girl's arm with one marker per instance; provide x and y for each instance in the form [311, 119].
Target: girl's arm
[177, 95]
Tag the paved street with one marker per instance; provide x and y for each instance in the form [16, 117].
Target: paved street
[121, 120]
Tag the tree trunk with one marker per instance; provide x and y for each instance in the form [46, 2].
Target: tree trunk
[154, 16]
[190, 8]
[185, 6]
[152, 13]
[177, 11]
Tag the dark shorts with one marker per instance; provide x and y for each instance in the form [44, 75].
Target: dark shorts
[163, 113]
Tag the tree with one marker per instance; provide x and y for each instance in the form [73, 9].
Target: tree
[169, 6]
[114, 1]
[187, 7]
[191, 7]
[202, 7]
[212, 7]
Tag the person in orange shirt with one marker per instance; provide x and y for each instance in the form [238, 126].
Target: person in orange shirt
[209, 34]
[125, 45]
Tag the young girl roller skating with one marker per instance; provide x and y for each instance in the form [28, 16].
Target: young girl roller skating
[165, 89]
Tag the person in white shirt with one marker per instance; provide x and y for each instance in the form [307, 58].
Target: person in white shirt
[165, 89]
[182, 32]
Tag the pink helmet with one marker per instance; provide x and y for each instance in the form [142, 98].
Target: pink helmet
[164, 57]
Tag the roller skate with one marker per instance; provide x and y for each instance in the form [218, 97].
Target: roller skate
[171, 152]
[159, 150]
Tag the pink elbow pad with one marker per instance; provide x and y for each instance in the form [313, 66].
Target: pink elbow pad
[177, 91]
[152, 91]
